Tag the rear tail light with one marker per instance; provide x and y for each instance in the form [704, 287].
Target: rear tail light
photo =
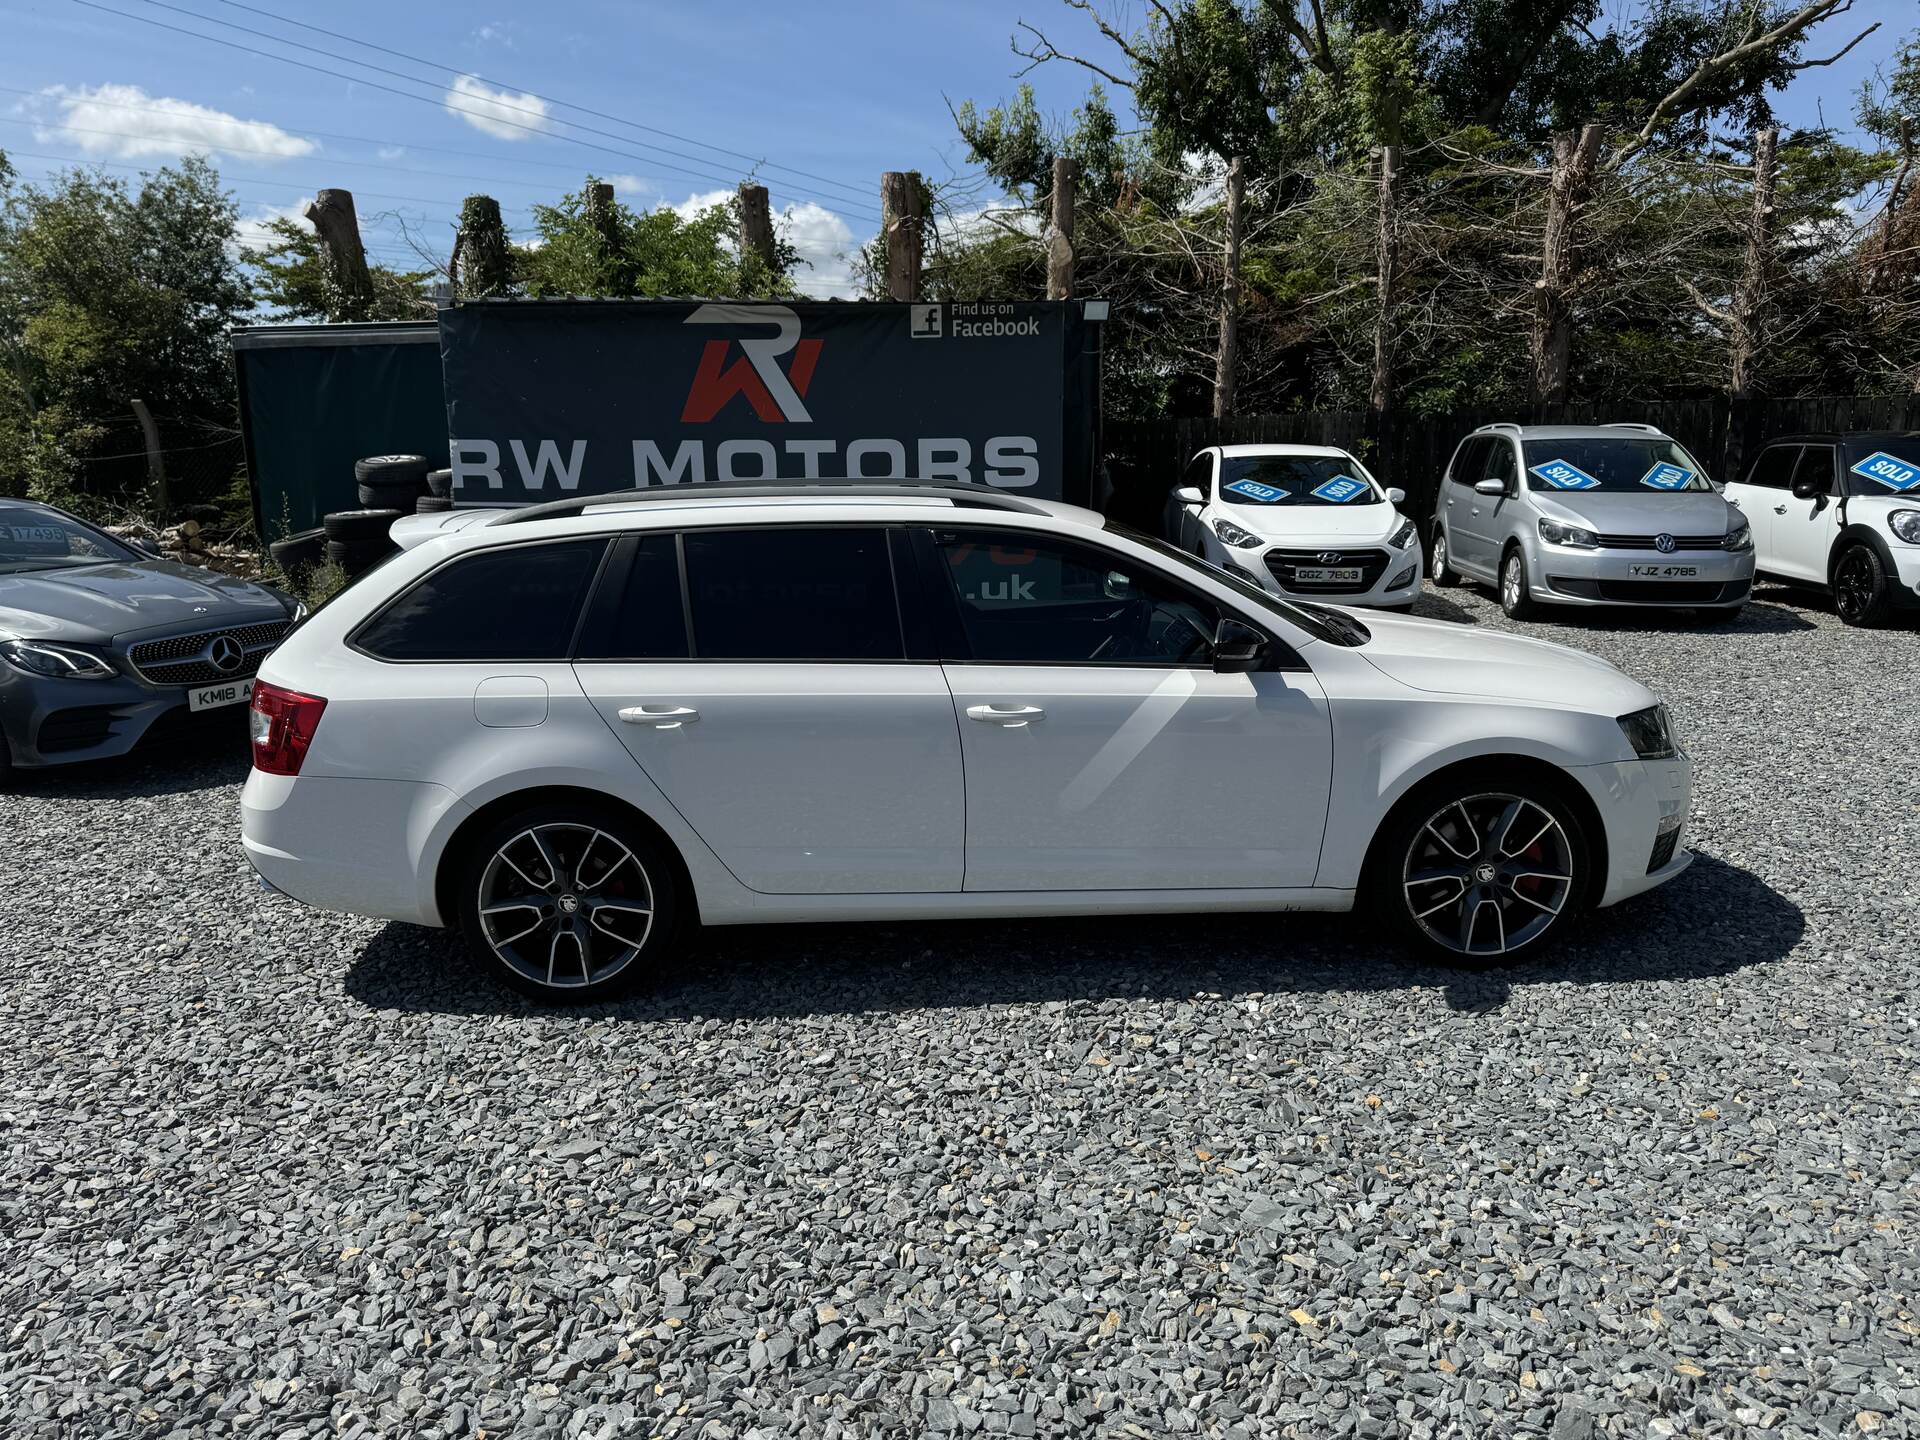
[282, 723]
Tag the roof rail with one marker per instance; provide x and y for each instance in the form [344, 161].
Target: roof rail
[959, 492]
[1640, 425]
[1502, 425]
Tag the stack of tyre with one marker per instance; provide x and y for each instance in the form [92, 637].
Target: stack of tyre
[389, 486]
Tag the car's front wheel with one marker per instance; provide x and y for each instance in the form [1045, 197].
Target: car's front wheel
[1440, 564]
[1860, 589]
[568, 903]
[1481, 870]
[1516, 599]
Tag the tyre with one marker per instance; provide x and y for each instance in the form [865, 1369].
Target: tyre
[360, 526]
[392, 469]
[1480, 867]
[427, 504]
[1516, 599]
[440, 482]
[1860, 590]
[567, 903]
[1439, 564]
[379, 495]
[357, 557]
[299, 552]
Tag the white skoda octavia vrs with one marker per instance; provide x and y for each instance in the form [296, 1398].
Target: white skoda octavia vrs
[576, 729]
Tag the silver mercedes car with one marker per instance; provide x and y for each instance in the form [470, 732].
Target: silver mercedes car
[1588, 515]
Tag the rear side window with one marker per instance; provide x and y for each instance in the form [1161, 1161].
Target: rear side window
[1468, 461]
[1774, 469]
[638, 613]
[519, 603]
[796, 593]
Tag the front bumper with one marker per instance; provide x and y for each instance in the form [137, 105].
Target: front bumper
[59, 722]
[1562, 575]
[1643, 807]
[1906, 575]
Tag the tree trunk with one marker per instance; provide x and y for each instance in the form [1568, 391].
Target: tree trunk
[156, 461]
[756, 228]
[1749, 301]
[342, 256]
[901, 223]
[1066, 174]
[1380, 393]
[485, 264]
[1229, 355]
[1552, 339]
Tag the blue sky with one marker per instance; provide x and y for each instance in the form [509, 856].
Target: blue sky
[837, 90]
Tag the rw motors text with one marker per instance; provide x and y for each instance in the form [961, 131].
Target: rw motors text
[1008, 461]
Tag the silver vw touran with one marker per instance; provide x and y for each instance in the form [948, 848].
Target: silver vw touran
[1588, 515]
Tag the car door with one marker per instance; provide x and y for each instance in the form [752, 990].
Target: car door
[1102, 751]
[1487, 514]
[1804, 528]
[762, 680]
[1765, 486]
[1457, 497]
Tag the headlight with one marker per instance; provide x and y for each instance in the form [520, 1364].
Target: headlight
[1905, 524]
[1235, 536]
[1404, 536]
[54, 662]
[1554, 533]
[1739, 538]
[1650, 733]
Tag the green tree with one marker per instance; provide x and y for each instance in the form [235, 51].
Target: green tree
[289, 282]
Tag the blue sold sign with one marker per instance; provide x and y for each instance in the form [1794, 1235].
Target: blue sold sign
[1667, 477]
[1562, 476]
[1340, 489]
[1254, 490]
[1890, 471]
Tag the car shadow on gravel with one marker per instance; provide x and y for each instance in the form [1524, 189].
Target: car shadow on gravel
[170, 767]
[1757, 617]
[1432, 605]
[1713, 920]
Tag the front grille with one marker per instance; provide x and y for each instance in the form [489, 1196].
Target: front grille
[1645, 542]
[1663, 849]
[179, 659]
[1282, 563]
[1672, 592]
[80, 728]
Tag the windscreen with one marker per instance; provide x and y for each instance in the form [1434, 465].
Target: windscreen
[1885, 465]
[43, 540]
[1296, 480]
[1629, 465]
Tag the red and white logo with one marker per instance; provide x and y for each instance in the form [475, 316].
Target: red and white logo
[775, 394]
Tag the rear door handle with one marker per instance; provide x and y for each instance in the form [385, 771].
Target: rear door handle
[1011, 717]
[661, 717]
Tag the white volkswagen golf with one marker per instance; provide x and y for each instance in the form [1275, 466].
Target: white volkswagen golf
[574, 730]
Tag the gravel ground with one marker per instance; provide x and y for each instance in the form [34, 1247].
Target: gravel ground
[272, 1172]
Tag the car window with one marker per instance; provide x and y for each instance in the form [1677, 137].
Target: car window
[795, 593]
[32, 539]
[1199, 473]
[1030, 600]
[1884, 465]
[1469, 461]
[519, 602]
[1500, 464]
[1626, 464]
[1295, 480]
[644, 619]
[1815, 468]
[1774, 469]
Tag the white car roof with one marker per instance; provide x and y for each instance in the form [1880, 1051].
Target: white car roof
[1333, 450]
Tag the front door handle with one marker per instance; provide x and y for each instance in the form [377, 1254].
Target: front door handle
[661, 717]
[1011, 717]
[1779, 509]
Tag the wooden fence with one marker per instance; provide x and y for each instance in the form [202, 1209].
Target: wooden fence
[1145, 457]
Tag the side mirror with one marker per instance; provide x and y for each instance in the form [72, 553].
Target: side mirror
[149, 549]
[1237, 648]
[1190, 495]
[1490, 487]
[1808, 489]
[1396, 496]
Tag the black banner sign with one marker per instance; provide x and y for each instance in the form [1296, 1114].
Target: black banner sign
[551, 398]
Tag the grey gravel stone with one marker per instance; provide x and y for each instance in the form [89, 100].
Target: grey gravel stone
[268, 1172]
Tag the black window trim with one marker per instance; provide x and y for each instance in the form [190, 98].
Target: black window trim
[352, 641]
[693, 657]
[951, 628]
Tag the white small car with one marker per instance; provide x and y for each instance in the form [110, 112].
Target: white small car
[1840, 512]
[1305, 521]
[575, 729]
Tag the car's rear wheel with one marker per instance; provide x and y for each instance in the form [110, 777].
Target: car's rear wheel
[1481, 871]
[1860, 591]
[1439, 564]
[568, 904]
[1516, 598]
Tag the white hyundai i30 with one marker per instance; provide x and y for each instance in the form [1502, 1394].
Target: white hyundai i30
[576, 729]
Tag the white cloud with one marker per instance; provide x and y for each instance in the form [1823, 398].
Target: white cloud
[495, 33]
[251, 230]
[392, 152]
[499, 113]
[691, 207]
[823, 239]
[147, 126]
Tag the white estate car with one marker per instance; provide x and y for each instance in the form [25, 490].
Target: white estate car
[1305, 521]
[573, 729]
